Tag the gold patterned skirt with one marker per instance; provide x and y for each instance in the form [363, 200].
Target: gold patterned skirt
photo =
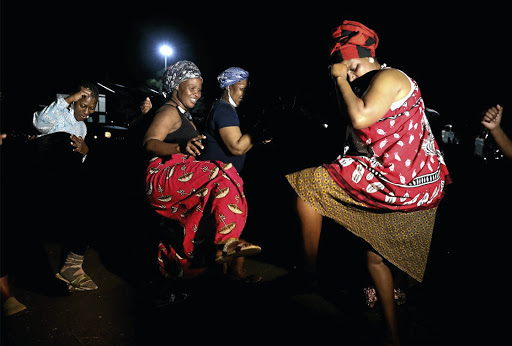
[403, 238]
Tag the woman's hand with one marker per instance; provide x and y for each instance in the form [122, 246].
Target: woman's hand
[79, 145]
[492, 117]
[83, 93]
[192, 146]
[339, 70]
[146, 106]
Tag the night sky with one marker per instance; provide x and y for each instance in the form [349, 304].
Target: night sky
[457, 56]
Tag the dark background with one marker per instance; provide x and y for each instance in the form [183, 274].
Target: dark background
[457, 55]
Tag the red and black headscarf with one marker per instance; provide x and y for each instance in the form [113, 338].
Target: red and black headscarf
[353, 40]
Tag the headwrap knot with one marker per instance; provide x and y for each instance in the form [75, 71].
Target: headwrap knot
[353, 40]
[178, 73]
[231, 76]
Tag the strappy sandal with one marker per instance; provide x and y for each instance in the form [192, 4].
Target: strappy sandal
[400, 297]
[371, 296]
[241, 249]
[81, 283]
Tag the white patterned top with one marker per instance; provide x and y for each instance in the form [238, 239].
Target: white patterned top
[58, 118]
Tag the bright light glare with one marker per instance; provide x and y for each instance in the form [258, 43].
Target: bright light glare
[165, 50]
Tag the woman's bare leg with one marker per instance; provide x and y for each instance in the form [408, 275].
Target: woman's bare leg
[383, 280]
[311, 227]
[5, 287]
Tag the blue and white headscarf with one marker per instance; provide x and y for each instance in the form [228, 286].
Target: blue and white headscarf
[231, 76]
[178, 73]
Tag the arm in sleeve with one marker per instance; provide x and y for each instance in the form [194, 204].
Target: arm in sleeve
[228, 123]
[44, 121]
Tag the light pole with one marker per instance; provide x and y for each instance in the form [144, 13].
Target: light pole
[166, 51]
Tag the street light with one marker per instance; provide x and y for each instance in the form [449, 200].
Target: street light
[166, 51]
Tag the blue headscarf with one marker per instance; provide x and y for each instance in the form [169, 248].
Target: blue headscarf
[231, 76]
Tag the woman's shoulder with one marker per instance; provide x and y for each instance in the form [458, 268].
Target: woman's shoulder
[389, 76]
[167, 114]
[223, 105]
[391, 72]
[167, 110]
[224, 108]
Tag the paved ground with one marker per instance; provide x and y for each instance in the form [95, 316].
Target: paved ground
[124, 312]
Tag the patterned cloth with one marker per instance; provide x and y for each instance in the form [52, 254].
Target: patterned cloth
[188, 191]
[178, 73]
[403, 238]
[353, 40]
[400, 166]
[231, 76]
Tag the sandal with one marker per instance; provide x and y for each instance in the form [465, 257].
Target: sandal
[81, 283]
[371, 296]
[237, 248]
[12, 306]
[400, 296]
